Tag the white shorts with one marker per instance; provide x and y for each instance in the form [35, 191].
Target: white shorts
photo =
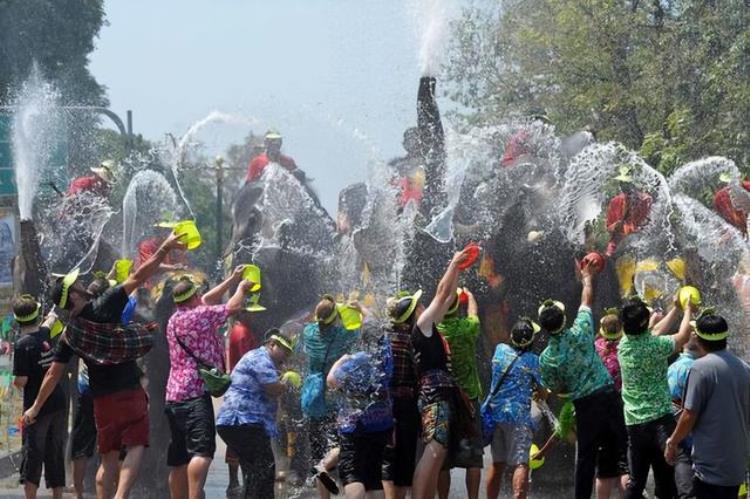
[511, 444]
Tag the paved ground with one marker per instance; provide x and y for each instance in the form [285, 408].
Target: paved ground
[218, 479]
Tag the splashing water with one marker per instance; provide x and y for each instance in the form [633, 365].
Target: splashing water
[692, 178]
[290, 216]
[35, 129]
[176, 156]
[73, 234]
[588, 185]
[148, 200]
[480, 189]
[431, 17]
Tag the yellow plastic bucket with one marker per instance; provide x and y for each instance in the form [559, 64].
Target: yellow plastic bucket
[122, 270]
[188, 233]
[56, 329]
[252, 274]
[254, 306]
[351, 318]
[535, 464]
[691, 294]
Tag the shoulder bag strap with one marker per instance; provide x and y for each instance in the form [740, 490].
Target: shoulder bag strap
[190, 352]
[502, 378]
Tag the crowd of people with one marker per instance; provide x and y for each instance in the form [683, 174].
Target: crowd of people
[392, 407]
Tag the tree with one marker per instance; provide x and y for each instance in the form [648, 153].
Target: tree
[670, 78]
[59, 36]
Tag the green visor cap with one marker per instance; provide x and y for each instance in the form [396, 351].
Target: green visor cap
[30, 317]
[402, 309]
[68, 281]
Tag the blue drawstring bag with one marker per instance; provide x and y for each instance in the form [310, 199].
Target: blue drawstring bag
[488, 423]
[314, 396]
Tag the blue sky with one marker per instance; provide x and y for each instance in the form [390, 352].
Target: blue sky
[322, 71]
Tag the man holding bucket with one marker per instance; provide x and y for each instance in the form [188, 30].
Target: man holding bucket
[120, 403]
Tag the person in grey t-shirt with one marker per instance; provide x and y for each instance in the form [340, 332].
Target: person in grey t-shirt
[716, 408]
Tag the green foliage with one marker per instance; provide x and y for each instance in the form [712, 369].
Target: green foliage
[58, 35]
[669, 78]
[199, 184]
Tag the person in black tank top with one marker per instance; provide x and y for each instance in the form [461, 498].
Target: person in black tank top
[436, 384]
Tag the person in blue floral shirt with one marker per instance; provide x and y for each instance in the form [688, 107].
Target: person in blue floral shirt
[677, 376]
[323, 342]
[571, 365]
[365, 420]
[247, 418]
[515, 374]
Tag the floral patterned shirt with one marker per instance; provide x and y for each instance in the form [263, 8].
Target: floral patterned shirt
[677, 375]
[246, 401]
[644, 359]
[197, 328]
[607, 350]
[570, 363]
[512, 402]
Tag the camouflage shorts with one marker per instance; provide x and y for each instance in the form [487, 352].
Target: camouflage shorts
[436, 422]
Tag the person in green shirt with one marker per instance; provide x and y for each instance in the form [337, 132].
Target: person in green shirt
[571, 365]
[461, 332]
[644, 358]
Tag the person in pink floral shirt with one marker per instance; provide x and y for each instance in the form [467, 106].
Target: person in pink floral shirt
[610, 332]
[193, 329]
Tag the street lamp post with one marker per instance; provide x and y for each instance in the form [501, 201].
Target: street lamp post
[219, 167]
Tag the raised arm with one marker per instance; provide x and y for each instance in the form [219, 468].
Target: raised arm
[215, 295]
[665, 325]
[237, 300]
[50, 319]
[472, 310]
[683, 335]
[587, 279]
[151, 266]
[444, 296]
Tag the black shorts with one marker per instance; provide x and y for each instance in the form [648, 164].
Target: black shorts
[361, 458]
[193, 431]
[611, 460]
[84, 429]
[44, 445]
[467, 452]
[400, 456]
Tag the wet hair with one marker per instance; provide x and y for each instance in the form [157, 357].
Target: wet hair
[98, 286]
[634, 316]
[551, 319]
[324, 309]
[25, 305]
[611, 324]
[712, 324]
[522, 334]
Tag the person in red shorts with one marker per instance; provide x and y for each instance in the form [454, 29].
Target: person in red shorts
[273, 141]
[241, 340]
[120, 403]
[725, 207]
